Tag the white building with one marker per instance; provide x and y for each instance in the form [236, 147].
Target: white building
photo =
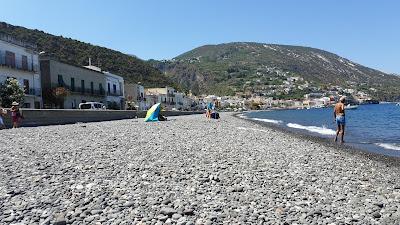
[115, 95]
[179, 100]
[20, 61]
[134, 93]
[166, 96]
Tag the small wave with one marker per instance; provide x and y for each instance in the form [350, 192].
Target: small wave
[242, 116]
[389, 146]
[246, 128]
[314, 129]
[268, 120]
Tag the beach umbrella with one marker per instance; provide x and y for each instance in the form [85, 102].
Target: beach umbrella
[152, 113]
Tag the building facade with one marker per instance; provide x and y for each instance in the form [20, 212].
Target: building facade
[115, 91]
[19, 60]
[166, 96]
[135, 94]
[65, 86]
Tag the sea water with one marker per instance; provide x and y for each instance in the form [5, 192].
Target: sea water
[374, 128]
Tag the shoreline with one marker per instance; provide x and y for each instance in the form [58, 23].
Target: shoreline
[393, 160]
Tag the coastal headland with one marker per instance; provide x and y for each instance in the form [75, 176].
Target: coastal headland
[189, 171]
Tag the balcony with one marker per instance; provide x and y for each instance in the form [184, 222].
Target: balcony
[80, 91]
[18, 65]
[117, 94]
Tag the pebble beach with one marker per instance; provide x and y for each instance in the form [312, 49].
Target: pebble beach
[186, 171]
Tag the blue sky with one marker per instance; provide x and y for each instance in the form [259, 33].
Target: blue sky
[365, 31]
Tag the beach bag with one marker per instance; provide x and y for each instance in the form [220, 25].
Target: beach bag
[215, 115]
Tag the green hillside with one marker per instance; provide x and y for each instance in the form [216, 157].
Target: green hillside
[77, 53]
[235, 67]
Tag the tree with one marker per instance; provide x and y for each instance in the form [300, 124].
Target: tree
[60, 94]
[11, 91]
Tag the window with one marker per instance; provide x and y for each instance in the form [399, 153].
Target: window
[82, 86]
[72, 84]
[91, 88]
[10, 59]
[24, 62]
[85, 106]
[60, 81]
[101, 89]
[114, 88]
[26, 86]
[108, 88]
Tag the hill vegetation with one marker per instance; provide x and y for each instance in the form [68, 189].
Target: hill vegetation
[240, 67]
[77, 53]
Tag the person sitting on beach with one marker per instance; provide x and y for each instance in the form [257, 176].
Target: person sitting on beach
[209, 109]
[339, 117]
[3, 112]
[16, 115]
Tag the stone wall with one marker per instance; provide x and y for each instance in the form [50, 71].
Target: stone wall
[43, 117]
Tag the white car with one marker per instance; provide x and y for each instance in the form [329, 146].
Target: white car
[92, 106]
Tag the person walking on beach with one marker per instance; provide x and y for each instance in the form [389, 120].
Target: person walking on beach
[339, 117]
[3, 112]
[16, 115]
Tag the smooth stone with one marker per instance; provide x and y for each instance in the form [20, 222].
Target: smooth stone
[96, 211]
[376, 215]
[45, 222]
[176, 216]
[162, 217]
[238, 189]
[9, 219]
[168, 211]
[188, 211]
[129, 204]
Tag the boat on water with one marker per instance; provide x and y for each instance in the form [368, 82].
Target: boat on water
[398, 104]
[350, 107]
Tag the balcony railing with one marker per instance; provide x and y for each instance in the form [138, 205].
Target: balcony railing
[118, 93]
[31, 67]
[84, 91]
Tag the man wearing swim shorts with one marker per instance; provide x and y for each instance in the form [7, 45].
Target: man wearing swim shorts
[339, 117]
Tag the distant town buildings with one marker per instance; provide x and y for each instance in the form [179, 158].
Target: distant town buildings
[20, 60]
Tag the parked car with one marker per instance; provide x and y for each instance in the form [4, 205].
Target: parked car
[92, 106]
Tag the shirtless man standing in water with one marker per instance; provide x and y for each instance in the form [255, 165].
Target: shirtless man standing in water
[339, 117]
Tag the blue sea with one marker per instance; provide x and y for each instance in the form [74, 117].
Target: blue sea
[374, 128]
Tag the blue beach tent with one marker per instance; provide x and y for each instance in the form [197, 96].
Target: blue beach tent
[152, 113]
